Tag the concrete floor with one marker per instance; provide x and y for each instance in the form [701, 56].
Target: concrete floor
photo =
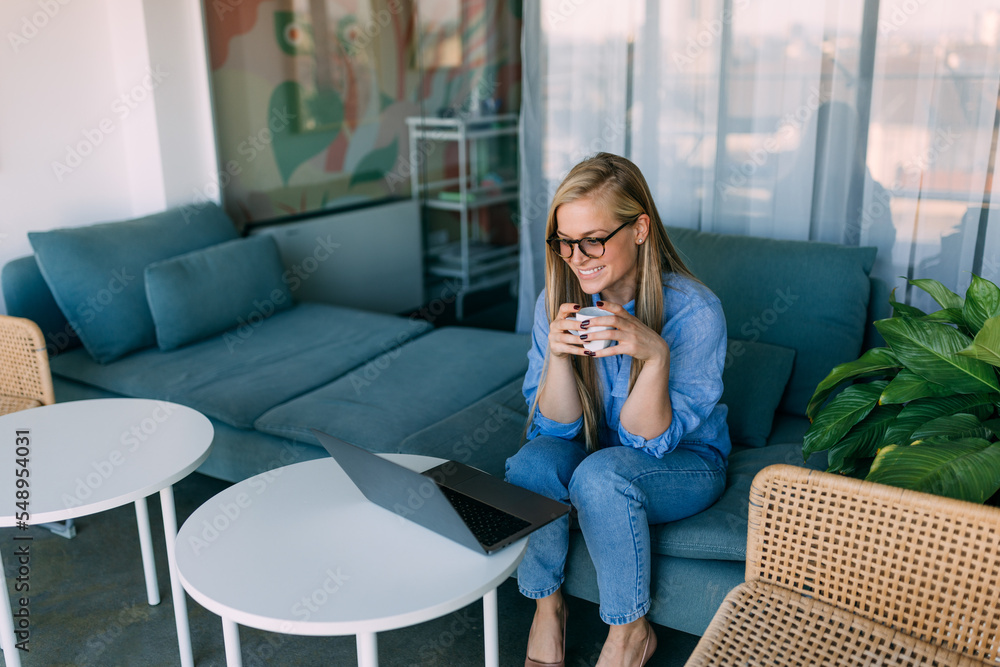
[88, 607]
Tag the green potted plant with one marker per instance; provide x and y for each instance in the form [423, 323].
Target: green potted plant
[921, 413]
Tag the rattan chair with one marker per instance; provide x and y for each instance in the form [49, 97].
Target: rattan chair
[25, 380]
[846, 572]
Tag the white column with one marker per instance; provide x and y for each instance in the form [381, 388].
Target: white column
[491, 632]
[146, 546]
[176, 590]
[231, 636]
[367, 649]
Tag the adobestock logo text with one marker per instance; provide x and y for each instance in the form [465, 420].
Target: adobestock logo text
[31, 25]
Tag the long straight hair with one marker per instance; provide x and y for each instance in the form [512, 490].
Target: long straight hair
[616, 185]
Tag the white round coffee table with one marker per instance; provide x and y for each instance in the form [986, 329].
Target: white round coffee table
[85, 457]
[299, 550]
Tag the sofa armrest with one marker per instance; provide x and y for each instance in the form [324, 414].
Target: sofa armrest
[878, 309]
[28, 295]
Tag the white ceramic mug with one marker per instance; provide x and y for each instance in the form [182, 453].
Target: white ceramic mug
[586, 314]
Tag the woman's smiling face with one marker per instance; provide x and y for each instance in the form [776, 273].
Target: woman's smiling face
[613, 275]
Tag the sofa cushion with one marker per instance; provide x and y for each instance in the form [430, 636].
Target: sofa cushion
[401, 392]
[482, 435]
[720, 532]
[238, 376]
[806, 295]
[787, 428]
[685, 592]
[237, 453]
[753, 381]
[96, 272]
[204, 292]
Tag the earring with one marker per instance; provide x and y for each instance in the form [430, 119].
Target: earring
[640, 240]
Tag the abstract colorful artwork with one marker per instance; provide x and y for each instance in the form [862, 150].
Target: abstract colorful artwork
[311, 96]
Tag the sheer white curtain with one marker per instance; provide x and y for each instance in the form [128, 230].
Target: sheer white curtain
[847, 121]
[574, 103]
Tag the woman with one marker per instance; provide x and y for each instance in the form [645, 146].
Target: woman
[633, 434]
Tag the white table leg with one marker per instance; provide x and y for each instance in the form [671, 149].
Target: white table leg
[367, 650]
[146, 546]
[231, 635]
[176, 590]
[491, 631]
[10, 655]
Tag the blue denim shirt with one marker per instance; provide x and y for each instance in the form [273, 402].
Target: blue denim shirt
[695, 330]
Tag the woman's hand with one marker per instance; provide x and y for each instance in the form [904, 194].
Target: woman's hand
[562, 344]
[557, 395]
[633, 337]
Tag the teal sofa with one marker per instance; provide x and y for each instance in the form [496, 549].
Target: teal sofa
[225, 335]
[794, 310]
[177, 307]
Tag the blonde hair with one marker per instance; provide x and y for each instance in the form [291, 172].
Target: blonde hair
[615, 184]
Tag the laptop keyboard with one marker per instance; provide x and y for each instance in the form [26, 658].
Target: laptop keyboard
[489, 524]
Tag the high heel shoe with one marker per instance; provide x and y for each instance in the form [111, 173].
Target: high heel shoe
[647, 651]
[528, 662]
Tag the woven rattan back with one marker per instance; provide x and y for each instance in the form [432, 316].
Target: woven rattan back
[25, 380]
[925, 565]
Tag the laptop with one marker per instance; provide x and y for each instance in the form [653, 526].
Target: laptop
[462, 503]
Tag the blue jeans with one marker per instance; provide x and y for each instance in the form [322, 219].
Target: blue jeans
[617, 492]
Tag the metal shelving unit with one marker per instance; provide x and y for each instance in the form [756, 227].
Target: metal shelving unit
[474, 261]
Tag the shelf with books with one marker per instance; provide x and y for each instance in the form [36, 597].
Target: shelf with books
[471, 259]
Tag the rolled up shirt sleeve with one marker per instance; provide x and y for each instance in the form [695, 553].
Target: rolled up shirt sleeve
[540, 424]
[697, 341]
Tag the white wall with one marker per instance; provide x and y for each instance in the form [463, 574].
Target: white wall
[105, 112]
[58, 83]
[177, 44]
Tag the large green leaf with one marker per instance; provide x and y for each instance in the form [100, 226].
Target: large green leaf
[993, 425]
[961, 425]
[930, 350]
[948, 316]
[844, 411]
[944, 296]
[986, 345]
[921, 411]
[982, 301]
[902, 309]
[873, 362]
[967, 469]
[908, 386]
[862, 440]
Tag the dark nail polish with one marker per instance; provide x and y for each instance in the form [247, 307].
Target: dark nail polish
[600, 304]
[588, 353]
[584, 324]
[576, 307]
[583, 336]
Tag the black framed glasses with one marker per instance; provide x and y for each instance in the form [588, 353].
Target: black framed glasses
[590, 246]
